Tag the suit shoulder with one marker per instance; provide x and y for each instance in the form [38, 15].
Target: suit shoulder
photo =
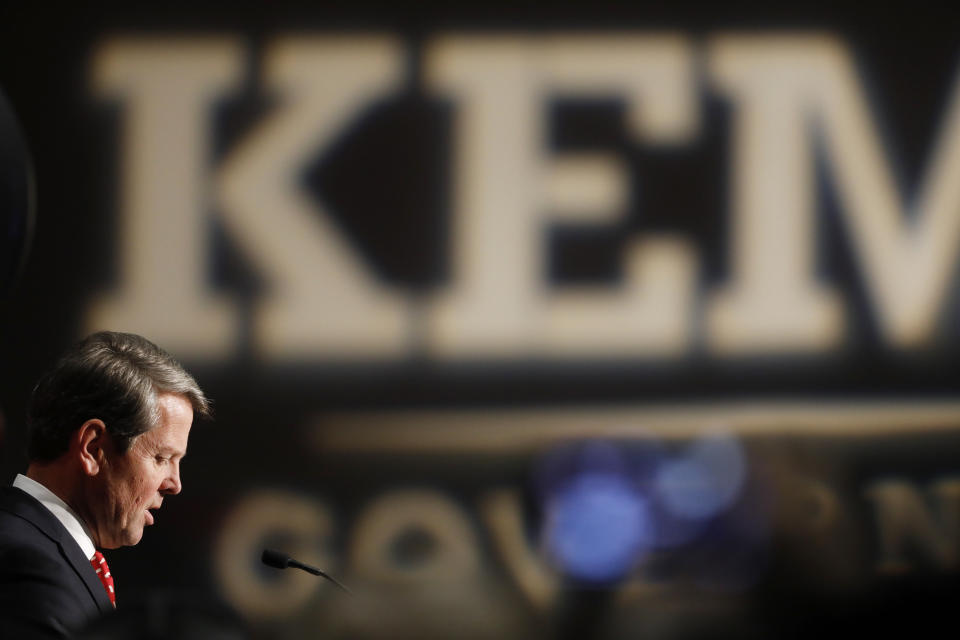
[39, 596]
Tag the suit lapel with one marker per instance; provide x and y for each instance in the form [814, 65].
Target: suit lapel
[71, 550]
[30, 509]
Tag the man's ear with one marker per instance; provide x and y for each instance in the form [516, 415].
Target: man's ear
[89, 442]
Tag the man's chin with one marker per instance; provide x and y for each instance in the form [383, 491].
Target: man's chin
[128, 539]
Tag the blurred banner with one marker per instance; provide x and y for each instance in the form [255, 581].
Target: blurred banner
[582, 322]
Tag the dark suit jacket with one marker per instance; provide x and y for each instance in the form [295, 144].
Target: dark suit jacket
[47, 587]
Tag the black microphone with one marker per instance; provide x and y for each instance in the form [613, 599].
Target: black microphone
[279, 560]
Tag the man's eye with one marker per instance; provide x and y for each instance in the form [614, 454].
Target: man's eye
[162, 459]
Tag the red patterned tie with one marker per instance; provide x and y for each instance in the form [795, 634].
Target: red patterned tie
[103, 571]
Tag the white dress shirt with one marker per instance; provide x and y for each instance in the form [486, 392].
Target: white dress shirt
[67, 517]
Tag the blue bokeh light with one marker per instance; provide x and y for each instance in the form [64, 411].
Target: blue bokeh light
[608, 506]
[705, 481]
[597, 526]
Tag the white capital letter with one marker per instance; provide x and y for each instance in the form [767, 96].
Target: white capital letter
[168, 87]
[508, 188]
[320, 299]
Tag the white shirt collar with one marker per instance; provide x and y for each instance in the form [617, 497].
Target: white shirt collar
[67, 517]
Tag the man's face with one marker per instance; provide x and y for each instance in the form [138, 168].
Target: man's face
[137, 481]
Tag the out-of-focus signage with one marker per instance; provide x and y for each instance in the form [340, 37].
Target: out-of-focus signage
[797, 110]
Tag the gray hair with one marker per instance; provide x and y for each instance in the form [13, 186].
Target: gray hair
[115, 377]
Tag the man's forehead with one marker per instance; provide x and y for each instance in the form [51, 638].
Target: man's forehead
[162, 438]
[176, 405]
[173, 429]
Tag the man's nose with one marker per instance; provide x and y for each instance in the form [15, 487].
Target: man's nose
[171, 484]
